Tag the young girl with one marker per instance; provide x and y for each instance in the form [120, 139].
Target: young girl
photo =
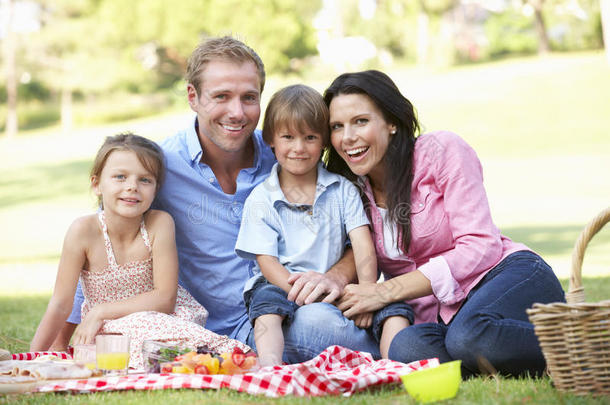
[126, 258]
[298, 220]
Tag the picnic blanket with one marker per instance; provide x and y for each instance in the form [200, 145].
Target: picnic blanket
[337, 370]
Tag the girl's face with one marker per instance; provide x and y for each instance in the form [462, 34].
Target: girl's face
[298, 153]
[125, 186]
[359, 133]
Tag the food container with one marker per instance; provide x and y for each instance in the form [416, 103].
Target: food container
[155, 353]
[434, 384]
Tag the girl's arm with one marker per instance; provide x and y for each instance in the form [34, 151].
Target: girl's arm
[162, 298]
[274, 272]
[72, 261]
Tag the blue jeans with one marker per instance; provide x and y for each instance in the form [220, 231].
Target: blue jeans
[314, 327]
[265, 298]
[491, 324]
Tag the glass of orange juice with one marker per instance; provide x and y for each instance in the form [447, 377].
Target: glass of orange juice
[112, 354]
[85, 355]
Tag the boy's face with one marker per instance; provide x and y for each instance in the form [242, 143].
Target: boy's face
[298, 153]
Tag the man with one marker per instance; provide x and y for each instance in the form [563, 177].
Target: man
[212, 166]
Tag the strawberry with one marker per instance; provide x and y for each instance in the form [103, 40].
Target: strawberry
[201, 369]
[238, 358]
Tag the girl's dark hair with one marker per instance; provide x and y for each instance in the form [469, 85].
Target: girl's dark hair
[396, 110]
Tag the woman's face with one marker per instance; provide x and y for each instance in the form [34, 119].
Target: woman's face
[359, 133]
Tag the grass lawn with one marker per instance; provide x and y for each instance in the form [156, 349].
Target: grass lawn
[19, 316]
[540, 129]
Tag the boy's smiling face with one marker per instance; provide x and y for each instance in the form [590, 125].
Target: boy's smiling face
[297, 151]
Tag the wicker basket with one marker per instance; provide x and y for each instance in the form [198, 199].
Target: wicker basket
[575, 337]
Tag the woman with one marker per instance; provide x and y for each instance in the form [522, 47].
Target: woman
[435, 240]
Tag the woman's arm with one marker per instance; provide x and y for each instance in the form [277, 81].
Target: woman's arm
[73, 257]
[274, 272]
[162, 298]
[360, 298]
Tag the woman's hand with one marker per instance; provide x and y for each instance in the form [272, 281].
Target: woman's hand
[88, 328]
[360, 299]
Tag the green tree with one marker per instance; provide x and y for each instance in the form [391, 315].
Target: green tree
[68, 53]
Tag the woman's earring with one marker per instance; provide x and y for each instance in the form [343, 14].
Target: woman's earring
[393, 132]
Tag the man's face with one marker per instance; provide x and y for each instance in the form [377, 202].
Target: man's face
[228, 106]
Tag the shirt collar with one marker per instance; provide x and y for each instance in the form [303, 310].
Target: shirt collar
[192, 142]
[272, 183]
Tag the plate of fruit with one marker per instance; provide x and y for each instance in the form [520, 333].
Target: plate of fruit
[171, 359]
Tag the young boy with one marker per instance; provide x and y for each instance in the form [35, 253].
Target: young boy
[298, 220]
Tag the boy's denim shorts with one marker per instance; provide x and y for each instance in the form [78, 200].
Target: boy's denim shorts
[265, 298]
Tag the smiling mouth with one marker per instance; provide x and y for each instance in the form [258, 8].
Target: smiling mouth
[233, 127]
[130, 200]
[357, 152]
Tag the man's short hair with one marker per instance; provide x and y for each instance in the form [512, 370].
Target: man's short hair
[224, 48]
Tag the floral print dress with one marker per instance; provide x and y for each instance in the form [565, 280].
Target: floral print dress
[116, 282]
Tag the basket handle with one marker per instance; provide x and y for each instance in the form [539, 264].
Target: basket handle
[576, 293]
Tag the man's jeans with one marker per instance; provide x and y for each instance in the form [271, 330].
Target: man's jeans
[315, 327]
[492, 324]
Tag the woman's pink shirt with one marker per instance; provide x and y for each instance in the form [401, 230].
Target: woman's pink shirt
[454, 241]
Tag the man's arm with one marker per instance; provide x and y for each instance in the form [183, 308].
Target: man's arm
[311, 286]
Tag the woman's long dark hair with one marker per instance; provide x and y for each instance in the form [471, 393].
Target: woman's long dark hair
[397, 110]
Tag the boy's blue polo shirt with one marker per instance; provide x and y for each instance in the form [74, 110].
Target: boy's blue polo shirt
[207, 224]
[302, 237]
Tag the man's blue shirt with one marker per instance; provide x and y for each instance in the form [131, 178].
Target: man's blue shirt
[207, 224]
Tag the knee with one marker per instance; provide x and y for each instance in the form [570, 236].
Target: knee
[461, 344]
[479, 353]
[314, 327]
[319, 315]
[405, 346]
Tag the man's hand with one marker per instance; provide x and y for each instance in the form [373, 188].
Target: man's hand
[312, 286]
[88, 328]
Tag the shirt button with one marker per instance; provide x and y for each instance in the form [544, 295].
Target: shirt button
[421, 205]
[211, 179]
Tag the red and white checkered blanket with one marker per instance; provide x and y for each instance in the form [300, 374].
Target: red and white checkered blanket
[336, 370]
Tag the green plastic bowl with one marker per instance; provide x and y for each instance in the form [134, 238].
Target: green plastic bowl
[434, 384]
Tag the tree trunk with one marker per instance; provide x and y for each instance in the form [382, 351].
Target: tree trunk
[66, 110]
[604, 6]
[543, 39]
[11, 73]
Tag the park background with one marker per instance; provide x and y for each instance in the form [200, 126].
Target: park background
[525, 82]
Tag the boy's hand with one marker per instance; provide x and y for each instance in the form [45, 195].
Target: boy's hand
[364, 320]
